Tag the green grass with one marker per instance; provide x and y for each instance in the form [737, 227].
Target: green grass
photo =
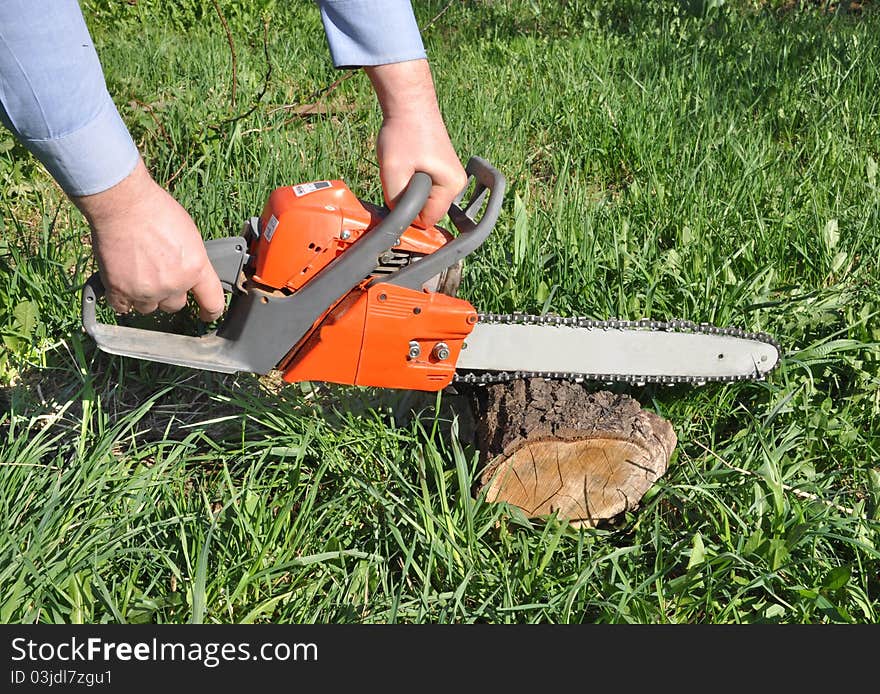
[667, 164]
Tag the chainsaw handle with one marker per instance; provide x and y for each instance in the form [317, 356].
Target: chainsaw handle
[227, 256]
[471, 232]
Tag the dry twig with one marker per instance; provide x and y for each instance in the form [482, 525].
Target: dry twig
[155, 118]
[266, 80]
[231, 50]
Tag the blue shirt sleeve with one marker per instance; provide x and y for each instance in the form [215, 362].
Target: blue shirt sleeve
[53, 96]
[54, 99]
[371, 32]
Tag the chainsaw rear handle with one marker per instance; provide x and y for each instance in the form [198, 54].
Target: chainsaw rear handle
[228, 256]
[471, 232]
[260, 327]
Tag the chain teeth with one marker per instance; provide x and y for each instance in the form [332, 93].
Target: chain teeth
[486, 377]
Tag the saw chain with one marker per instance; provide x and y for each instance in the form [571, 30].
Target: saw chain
[488, 377]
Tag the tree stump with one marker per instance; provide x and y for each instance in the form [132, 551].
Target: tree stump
[555, 447]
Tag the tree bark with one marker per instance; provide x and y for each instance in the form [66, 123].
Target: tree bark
[555, 447]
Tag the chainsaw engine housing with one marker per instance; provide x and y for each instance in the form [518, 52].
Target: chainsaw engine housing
[307, 226]
[379, 334]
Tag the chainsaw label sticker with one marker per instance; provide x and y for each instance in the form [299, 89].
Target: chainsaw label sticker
[306, 188]
[270, 228]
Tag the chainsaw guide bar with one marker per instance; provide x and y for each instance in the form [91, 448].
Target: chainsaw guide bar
[763, 351]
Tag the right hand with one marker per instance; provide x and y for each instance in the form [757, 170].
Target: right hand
[413, 137]
[149, 251]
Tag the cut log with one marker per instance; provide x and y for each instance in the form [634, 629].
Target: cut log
[556, 447]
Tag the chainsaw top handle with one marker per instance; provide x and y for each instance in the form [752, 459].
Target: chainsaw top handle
[488, 181]
[260, 327]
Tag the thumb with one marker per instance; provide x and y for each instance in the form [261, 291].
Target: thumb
[395, 179]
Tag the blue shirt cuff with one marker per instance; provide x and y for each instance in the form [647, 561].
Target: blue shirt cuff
[92, 158]
[371, 32]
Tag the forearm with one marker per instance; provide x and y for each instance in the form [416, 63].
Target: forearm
[54, 99]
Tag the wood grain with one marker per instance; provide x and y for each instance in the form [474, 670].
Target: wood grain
[555, 447]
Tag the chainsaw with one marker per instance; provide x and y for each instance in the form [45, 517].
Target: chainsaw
[327, 287]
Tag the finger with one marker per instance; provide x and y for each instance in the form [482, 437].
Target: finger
[173, 303]
[118, 302]
[208, 293]
[448, 183]
[144, 307]
[394, 179]
[435, 207]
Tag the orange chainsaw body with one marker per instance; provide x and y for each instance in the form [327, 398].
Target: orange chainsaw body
[378, 334]
[307, 226]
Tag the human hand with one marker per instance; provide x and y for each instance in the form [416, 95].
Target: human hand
[413, 137]
[149, 251]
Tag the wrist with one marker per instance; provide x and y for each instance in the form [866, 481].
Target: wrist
[404, 90]
[116, 200]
